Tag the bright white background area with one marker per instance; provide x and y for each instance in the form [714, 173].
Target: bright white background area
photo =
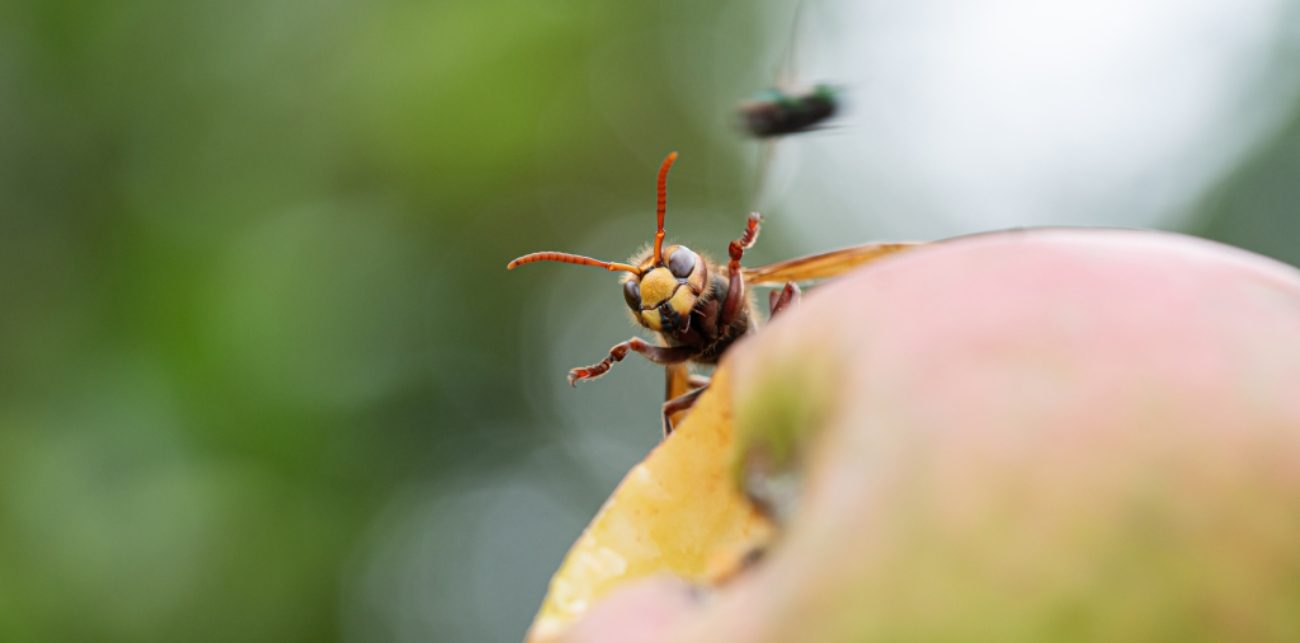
[969, 116]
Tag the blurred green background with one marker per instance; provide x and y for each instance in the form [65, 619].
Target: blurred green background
[263, 376]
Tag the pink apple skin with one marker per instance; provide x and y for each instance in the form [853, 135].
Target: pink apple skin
[1032, 435]
[642, 612]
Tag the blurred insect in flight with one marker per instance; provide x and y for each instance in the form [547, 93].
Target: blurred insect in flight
[777, 112]
[699, 308]
[785, 109]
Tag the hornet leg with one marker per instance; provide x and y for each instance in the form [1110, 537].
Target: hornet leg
[656, 354]
[679, 404]
[736, 286]
[779, 300]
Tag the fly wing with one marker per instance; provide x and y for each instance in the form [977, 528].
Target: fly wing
[824, 265]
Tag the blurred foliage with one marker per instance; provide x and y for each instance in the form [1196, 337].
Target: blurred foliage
[254, 290]
[1258, 206]
[256, 321]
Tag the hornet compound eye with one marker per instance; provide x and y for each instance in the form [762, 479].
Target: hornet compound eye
[682, 262]
[632, 294]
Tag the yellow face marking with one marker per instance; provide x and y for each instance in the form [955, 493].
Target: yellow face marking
[696, 280]
[657, 286]
[650, 319]
[682, 302]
